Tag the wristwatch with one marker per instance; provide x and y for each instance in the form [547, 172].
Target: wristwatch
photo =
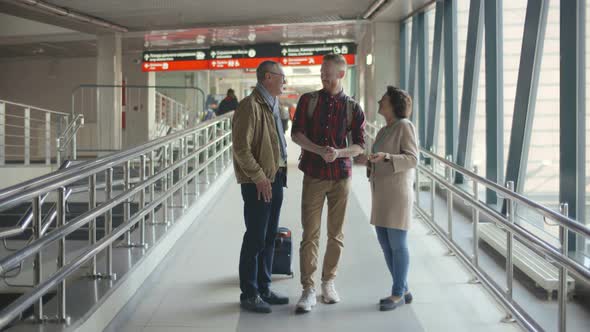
[387, 158]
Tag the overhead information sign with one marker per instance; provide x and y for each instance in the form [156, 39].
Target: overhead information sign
[238, 63]
[244, 57]
[178, 55]
[172, 60]
[241, 52]
[311, 60]
[317, 49]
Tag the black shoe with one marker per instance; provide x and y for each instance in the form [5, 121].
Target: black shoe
[255, 304]
[390, 305]
[271, 297]
[408, 298]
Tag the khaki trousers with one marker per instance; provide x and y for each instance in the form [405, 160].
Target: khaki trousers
[315, 192]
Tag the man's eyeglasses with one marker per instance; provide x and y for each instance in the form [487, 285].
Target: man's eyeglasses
[282, 75]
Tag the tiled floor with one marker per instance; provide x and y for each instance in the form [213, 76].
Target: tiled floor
[196, 287]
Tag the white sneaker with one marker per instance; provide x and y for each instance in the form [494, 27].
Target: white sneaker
[329, 294]
[307, 301]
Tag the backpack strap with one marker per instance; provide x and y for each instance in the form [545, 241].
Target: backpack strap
[350, 103]
[313, 102]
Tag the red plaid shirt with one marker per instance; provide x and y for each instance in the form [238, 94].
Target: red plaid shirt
[328, 127]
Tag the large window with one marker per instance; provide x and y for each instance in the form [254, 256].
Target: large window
[541, 182]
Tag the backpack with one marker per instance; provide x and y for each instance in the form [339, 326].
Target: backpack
[313, 102]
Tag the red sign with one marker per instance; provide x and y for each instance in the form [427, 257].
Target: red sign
[302, 60]
[244, 63]
[311, 60]
[238, 63]
[175, 65]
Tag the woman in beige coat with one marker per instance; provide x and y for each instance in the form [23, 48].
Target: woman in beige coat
[392, 161]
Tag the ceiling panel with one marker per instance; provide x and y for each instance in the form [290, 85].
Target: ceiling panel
[397, 10]
[85, 45]
[158, 14]
[349, 31]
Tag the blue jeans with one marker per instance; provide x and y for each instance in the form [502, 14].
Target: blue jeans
[262, 221]
[395, 248]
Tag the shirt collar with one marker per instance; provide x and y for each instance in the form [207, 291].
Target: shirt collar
[338, 95]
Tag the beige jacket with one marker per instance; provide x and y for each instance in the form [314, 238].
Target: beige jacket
[256, 148]
[392, 183]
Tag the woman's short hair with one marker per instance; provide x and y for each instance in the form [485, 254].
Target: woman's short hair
[401, 102]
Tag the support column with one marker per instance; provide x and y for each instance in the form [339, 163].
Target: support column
[109, 132]
[385, 60]
[403, 61]
[152, 126]
[494, 96]
[450, 72]
[422, 99]
[572, 113]
[526, 91]
[413, 63]
[470, 86]
[433, 112]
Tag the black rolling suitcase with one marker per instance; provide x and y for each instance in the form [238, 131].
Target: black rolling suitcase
[282, 263]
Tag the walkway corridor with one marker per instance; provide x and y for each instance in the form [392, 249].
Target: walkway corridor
[196, 286]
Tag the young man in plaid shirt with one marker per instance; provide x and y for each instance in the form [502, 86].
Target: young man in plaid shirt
[329, 127]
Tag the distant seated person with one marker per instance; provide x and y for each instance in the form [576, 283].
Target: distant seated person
[229, 103]
[209, 112]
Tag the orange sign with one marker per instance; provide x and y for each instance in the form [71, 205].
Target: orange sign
[175, 65]
[238, 63]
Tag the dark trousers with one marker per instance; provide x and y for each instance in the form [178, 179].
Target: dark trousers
[262, 221]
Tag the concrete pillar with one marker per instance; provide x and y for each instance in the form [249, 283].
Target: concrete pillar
[366, 73]
[191, 98]
[109, 99]
[385, 58]
[152, 126]
[140, 108]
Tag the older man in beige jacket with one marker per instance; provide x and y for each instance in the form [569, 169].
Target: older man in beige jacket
[260, 161]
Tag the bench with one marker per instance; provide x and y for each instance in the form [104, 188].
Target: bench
[539, 269]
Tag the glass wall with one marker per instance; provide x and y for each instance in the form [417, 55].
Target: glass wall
[541, 182]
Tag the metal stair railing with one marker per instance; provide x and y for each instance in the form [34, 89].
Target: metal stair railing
[207, 150]
[28, 133]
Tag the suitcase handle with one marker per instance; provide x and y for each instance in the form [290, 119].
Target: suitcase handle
[284, 233]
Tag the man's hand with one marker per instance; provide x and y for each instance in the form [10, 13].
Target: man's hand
[377, 157]
[264, 188]
[330, 154]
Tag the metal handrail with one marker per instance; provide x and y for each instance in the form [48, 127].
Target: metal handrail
[28, 217]
[69, 135]
[34, 108]
[559, 256]
[132, 86]
[29, 189]
[562, 220]
[73, 126]
[33, 129]
[534, 242]
[90, 170]
[25, 301]
[8, 262]
[565, 221]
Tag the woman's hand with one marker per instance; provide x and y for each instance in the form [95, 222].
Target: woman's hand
[377, 157]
